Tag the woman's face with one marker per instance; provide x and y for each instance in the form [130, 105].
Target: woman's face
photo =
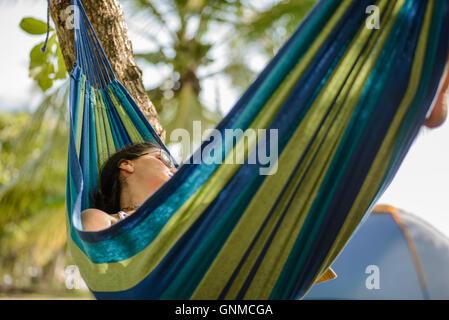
[150, 170]
[151, 166]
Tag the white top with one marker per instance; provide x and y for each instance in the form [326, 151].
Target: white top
[122, 215]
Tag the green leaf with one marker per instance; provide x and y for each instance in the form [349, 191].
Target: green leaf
[44, 80]
[42, 67]
[45, 67]
[62, 71]
[33, 26]
[37, 57]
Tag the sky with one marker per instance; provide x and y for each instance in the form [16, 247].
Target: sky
[420, 186]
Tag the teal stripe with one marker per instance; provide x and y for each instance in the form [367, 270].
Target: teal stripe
[136, 120]
[110, 136]
[76, 105]
[93, 164]
[118, 141]
[71, 195]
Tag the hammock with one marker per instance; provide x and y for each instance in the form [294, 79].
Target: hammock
[347, 101]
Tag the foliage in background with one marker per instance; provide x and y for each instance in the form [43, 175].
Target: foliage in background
[45, 67]
[33, 163]
[33, 150]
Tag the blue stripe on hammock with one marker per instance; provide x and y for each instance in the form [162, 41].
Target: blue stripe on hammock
[136, 115]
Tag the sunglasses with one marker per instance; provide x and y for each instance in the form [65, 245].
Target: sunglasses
[163, 156]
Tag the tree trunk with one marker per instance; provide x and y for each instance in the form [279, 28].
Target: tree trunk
[109, 24]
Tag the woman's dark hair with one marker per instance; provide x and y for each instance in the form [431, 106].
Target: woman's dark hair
[107, 197]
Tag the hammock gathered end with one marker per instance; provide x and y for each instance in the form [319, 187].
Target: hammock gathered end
[347, 102]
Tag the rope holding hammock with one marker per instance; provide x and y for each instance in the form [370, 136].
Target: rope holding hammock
[44, 47]
[347, 102]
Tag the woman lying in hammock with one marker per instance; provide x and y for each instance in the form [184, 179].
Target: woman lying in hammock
[127, 179]
[134, 173]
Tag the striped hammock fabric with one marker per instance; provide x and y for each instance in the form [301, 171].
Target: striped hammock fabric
[347, 100]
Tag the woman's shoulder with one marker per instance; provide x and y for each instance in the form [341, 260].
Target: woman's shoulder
[95, 219]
